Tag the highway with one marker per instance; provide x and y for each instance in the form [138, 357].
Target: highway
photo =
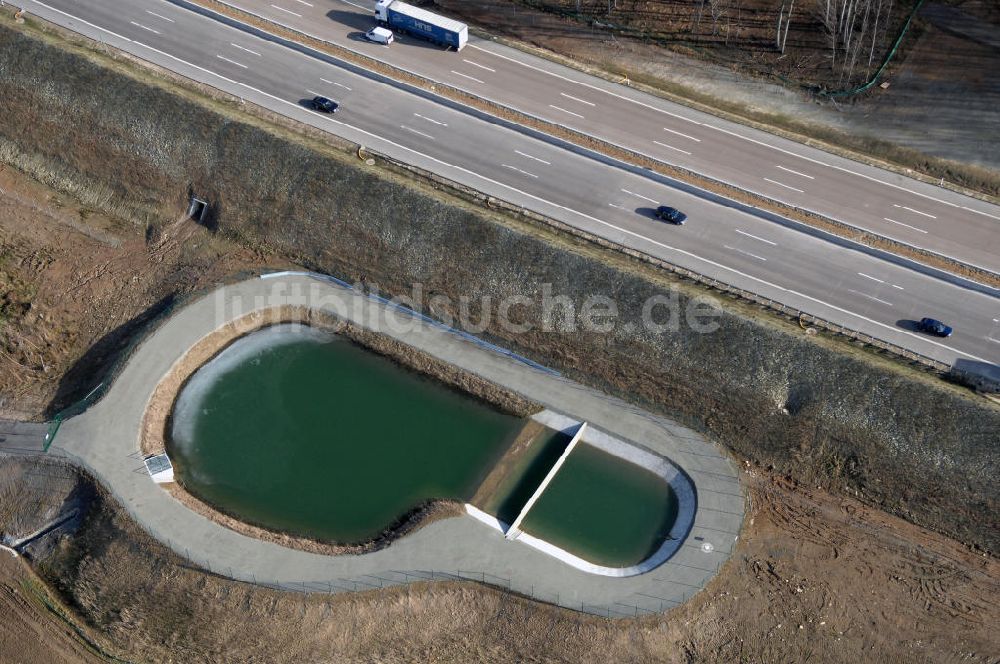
[872, 199]
[849, 287]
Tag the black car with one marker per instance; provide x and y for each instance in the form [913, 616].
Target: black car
[935, 327]
[324, 105]
[670, 215]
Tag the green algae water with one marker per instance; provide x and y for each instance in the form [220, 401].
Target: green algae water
[604, 509]
[510, 497]
[302, 431]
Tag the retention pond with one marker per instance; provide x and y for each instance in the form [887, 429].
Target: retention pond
[302, 431]
[604, 509]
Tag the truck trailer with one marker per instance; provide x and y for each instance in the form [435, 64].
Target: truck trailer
[402, 17]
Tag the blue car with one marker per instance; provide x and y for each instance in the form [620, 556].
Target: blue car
[935, 327]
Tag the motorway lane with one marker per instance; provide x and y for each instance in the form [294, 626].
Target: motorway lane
[876, 200]
[849, 287]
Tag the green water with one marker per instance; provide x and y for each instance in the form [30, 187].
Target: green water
[509, 499]
[604, 509]
[299, 431]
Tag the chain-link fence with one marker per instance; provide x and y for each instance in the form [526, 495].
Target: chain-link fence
[122, 357]
[671, 593]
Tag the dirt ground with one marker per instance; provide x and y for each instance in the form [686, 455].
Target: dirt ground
[75, 285]
[31, 633]
[815, 576]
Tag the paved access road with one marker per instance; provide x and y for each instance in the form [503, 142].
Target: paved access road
[105, 440]
[848, 286]
[873, 199]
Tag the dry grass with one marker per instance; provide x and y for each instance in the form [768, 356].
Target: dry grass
[968, 176]
[814, 577]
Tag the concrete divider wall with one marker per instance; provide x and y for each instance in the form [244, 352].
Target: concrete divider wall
[816, 410]
[680, 484]
[514, 531]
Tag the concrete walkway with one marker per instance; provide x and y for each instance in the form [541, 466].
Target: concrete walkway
[23, 438]
[105, 440]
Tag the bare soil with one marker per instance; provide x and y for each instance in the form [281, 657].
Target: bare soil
[31, 632]
[76, 285]
[815, 577]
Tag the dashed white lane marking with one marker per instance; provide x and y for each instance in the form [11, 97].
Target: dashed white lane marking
[232, 62]
[788, 170]
[786, 186]
[696, 140]
[339, 85]
[565, 111]
[582, 101]
[243, 48]
[664, 145]
[833, 166]
[870, 297]
[170, 20]
[431, 120]
[868, 276]
[528, 156]
[515, 168]
[632, 193]
[906, 225]
[471, 78]
[617, 206]
[303, 2]
[746, 253]
[419, 133]
[354, 4]
[287, 11]
[140, 25]
[773, 244]
[485, 178]
[913, 211]
[476, 64]
[730, 132]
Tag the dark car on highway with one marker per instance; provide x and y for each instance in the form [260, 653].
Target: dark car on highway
[324, 105]
[935, 327]
[670, 215]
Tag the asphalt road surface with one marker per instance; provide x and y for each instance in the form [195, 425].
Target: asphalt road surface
[847, 286]
[869, 198]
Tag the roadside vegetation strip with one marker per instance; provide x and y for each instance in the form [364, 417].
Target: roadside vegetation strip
[265, 119]
[622, 154]
[804, 320]
[38, 592]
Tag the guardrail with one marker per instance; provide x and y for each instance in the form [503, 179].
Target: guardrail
[806, 320]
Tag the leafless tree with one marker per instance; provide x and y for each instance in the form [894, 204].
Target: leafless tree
[850, 24]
